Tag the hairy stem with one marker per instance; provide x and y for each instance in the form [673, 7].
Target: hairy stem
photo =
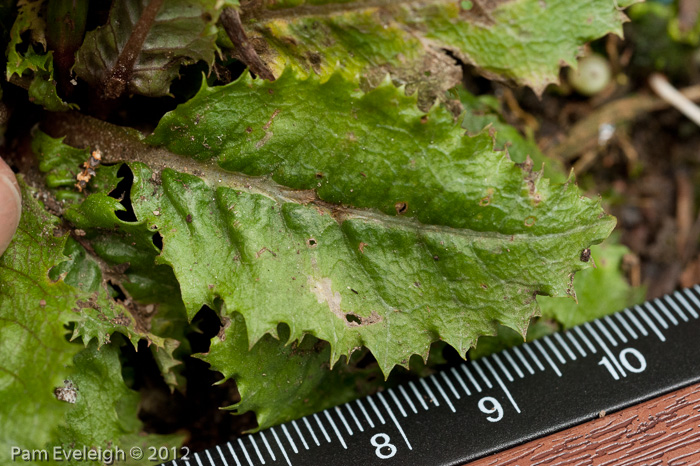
[116, 80]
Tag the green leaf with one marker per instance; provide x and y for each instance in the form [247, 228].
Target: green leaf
[592, 304]
[42, 292]
[33, 69]
[357, 218]
[525, 41]
[484, 113]
[281, 382]
[116, 57]
[128, 254]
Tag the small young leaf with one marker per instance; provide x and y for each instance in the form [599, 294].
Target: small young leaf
[33, 69]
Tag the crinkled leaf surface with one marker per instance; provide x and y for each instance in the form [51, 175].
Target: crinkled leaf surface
[521, 40]
[353, 217]
[183, 32]
[37, 356]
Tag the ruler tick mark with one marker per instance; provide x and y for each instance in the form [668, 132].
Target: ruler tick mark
[512, 363]
[554, 349]
[605, 332]
[335, 429]
[267, 445]
[460, 381]
[418, 395]
[541, 349]
[605, 348]
[396, 402]
[408, 400]
[656, 315]
[311, 431]
[196, 456]
[449, 383]
[393, 418]
[354, 418]
[279, 444]
[431, 396]
[623, 322]
[651, 324]
[521, 356]
[221, 454]
[303, 440]
[576, 344]
[471, 378]
[442, 392]
[289, 438]
[608, 320]
[534, 357]
[635, 321]
[323, 429]
[343, 420]
[502, 367]
[675, 307]
[666, 312]
[364, 411]
[566, 347]
[376, 411]
[585, 339]
[481, 374]
[211, 460]
[257, 450]
[501, 384]
[692, 297]
[245, 452]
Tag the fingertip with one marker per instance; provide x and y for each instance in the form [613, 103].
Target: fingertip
[10, 205]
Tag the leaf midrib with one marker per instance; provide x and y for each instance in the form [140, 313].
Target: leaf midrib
[120, 144]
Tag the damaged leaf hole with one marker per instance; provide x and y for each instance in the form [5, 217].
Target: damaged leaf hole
[311, 242]
[122, 193]
[401, 207]
[353, 319]
[157, 240]
[530, 221]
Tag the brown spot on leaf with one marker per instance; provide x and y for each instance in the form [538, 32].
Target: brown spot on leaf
[530, 221]
[401, 208]
[361, 247]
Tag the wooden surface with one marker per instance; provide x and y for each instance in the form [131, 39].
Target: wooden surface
[663, 431]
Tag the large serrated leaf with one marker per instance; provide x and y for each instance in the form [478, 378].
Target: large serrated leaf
[35, 310]
[525, 41]
[357, 218]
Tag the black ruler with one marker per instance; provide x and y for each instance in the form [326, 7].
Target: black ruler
[494, 403]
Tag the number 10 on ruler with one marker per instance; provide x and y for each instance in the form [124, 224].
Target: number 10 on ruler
[629, 358]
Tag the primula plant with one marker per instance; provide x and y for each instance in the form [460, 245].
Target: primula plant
[309, 178]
